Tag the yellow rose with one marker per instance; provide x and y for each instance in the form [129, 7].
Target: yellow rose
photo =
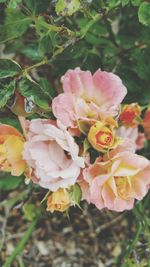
[102, 137]
[11, 146]
[58, 201]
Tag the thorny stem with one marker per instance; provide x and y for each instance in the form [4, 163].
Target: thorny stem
[81, 34]
[37, 65]
[77, 35]
[21, 244]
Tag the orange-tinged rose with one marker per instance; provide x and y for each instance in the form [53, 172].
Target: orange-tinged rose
[102, 137]
[146, 123]
[11, 147]
[58, 201]
[130, 113]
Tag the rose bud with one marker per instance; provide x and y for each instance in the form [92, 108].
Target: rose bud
[11, 146]
[130, 114]
[58, 201]
[102, 137]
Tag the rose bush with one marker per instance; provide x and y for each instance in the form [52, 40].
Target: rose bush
[83, 130]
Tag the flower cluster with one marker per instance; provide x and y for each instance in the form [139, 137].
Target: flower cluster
[88, 152]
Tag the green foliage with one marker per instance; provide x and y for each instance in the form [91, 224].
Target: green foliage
[136, 2]
[15, 24]
[30, 89]
[76, 195]
[36, 30]
[9, 182]
[67, 7]
[13, 3]
[144, 13]
[6, 90]
[8, 68]
[37, 6]
[125, 2]
[30, 211]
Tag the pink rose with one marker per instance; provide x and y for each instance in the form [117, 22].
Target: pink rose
[88, 97]
[116, 180]
[132, 136]
[140, 141]
[52, 154]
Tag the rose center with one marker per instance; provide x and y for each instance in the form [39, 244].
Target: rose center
[103, 138]
[122, 184]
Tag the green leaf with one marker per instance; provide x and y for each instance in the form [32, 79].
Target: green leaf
[9, 182]
[67, 7]
[37, 6]
[86, 145]
[31, 51]
[30, 89]
[43, 28]
[140, 62]
[47, 43]
[147, 220]
[14, 3]
[114, 3]
[76, 194]
[5, 92]
[84, 126]
[144, 13]
[125, 2]
[47, 87]
[16, 24]
[8, 68]
[136, 2]
[30, 211]
[13, 122]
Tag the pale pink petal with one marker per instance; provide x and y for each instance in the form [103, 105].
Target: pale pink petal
[140, 184]
[140, 141]
[78, 82]
[54, 133]
[37, 126]
[63, 109]
[139, 190]
[53, 151]
[82, 108]
[96, 196]
[123, 204]
[136, 161]
[109, 89]
[52, 167]
[85, 190]
[131, 135]
[108, 197]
